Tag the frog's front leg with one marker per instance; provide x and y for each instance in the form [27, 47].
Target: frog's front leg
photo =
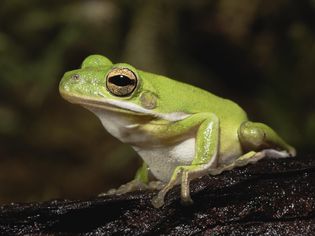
[142, 180]
[207, 142]
[139, 182]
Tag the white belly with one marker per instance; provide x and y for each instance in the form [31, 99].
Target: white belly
[163, 160]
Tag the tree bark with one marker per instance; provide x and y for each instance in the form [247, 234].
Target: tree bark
[271, 197]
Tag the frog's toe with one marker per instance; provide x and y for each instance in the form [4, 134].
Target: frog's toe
[103, 194]
[109, 192]
[292, 151]
[186, 201]
[273, 153]
[131, 186]
[158, 201]
[156, 185]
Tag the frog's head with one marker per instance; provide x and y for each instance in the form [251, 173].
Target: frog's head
[101, 84]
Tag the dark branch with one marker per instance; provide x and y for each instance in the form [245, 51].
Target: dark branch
[275, 197]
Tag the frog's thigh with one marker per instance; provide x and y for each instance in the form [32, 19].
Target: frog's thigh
[258, 136]
[207, 139]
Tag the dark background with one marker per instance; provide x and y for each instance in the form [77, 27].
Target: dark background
[258, 53]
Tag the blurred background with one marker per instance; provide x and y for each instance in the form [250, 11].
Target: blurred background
[258, 53]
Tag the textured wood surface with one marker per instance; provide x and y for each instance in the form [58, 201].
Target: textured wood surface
[271, 197]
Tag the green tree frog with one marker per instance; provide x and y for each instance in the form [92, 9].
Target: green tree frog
[180, 131]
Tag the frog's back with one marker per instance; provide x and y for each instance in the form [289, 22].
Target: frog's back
[182, 97]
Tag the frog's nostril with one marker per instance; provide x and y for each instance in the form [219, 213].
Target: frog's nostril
[75, 77]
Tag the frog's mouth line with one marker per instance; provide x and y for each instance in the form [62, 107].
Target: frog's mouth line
[122, 107]
[103, 103]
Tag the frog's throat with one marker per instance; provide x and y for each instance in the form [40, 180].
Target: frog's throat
[123, 106]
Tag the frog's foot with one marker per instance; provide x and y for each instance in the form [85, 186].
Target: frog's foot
[272, 153]
[250, 157]
[155, 185]
[158, 201]
[182, 175]
[131, 186]
[134, 185]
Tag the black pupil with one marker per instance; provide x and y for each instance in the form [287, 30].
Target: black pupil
[121, 80]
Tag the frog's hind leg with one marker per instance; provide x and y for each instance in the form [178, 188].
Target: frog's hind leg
[249, 157]
[265, 141]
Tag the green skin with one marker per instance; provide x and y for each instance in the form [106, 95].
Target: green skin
[162, 117]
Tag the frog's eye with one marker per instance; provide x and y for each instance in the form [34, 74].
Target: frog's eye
[121, 82]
